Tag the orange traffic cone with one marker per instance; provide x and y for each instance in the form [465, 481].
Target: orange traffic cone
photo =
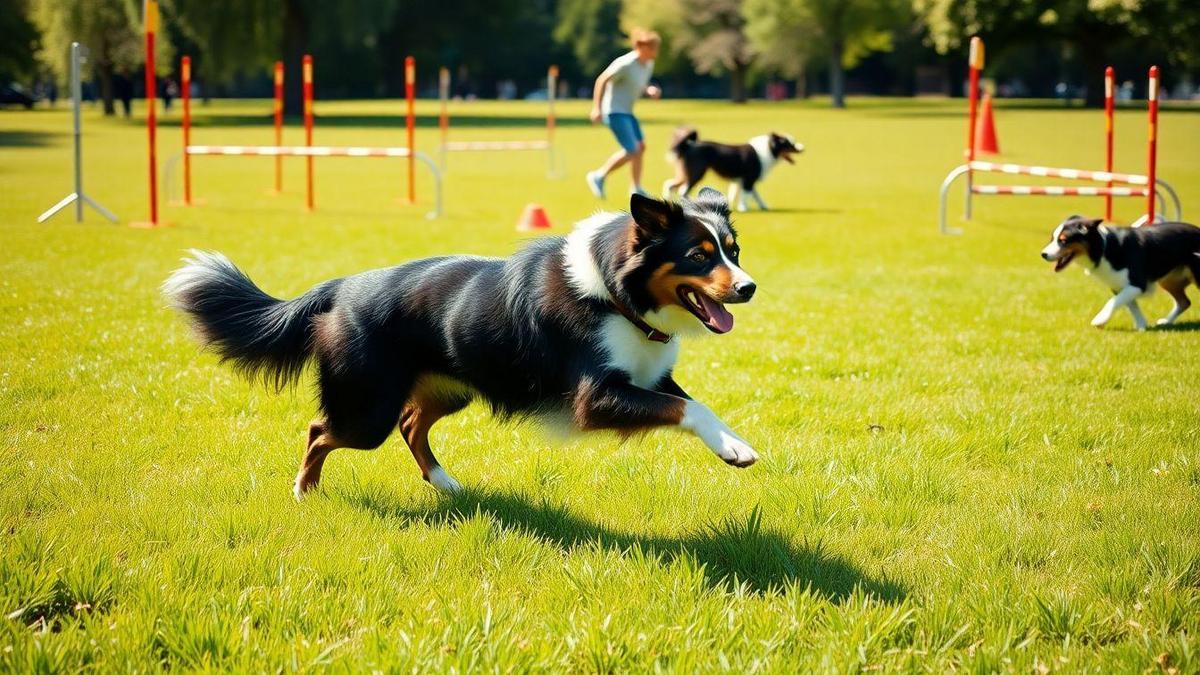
[985, 135]
[533, 218]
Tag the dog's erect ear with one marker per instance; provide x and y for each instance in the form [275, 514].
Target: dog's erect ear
[652, 216]
[1093, 223]
[707, 193]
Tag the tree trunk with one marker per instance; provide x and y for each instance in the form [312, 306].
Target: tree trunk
[802, 84]
[837, 74]
[105, 73]
[295, 45]
[737, 81]
[1095, 59]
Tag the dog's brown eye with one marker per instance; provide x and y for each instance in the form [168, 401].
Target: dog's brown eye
[698, 256]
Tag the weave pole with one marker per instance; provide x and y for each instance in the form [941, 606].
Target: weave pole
[308, 124]
[975, 65]
[1108, 137]
[150, 24]
[185, 77]
[278, 124]
[1151, 155]
[410, 85]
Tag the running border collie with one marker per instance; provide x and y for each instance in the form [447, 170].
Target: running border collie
[744, 164]
[585, 327]
[1130, 261]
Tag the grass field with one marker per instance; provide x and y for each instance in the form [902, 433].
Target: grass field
[958, 471]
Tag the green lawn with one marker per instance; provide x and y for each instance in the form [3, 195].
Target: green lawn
[958, 471]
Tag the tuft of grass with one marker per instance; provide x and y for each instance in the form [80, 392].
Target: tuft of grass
[958, 472]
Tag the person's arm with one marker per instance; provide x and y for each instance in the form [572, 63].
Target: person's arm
[598, 92]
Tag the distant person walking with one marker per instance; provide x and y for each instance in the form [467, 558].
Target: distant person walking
[617, 88]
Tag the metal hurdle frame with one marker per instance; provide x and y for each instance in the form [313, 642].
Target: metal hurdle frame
[1148, 186]
[308, 150]
[445, 145]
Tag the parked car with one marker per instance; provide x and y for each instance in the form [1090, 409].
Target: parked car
[12, 93]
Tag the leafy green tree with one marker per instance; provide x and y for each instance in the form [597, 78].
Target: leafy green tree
[112, 31]
[591, 29]
[712, 34]
[19, 42]
[1092, 29]
[844, 30]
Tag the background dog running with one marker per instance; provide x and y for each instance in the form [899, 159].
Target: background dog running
[744, 164]
[1130, 261]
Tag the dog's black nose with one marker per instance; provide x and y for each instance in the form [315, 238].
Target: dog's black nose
[1046, 256]
[745, 289]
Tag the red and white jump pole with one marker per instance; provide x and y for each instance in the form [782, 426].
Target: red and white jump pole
[308, 125]
[1151, 157]
[410, 93]
[1108, 136]
[278, 124]
[974, 65]
[185, 77]
[150, 24]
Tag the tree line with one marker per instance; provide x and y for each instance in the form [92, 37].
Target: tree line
[733, 44]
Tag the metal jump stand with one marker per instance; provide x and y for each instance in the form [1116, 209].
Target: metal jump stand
[78, 197]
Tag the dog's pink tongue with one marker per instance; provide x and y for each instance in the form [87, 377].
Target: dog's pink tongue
[719, 318]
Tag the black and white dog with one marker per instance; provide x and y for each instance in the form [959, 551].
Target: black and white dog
[584, 328]
[1130, 261]
[744, 164]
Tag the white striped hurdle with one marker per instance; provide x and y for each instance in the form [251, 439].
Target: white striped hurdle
[1059, 191]
[1051, 172]
[317, 151]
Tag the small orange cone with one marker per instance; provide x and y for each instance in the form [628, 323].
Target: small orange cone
[985, 135]
[533, 218]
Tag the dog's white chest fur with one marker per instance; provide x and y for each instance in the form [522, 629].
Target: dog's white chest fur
[629, 351]
[1105, 274]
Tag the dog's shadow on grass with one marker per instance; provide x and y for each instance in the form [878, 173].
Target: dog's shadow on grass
[741, 550]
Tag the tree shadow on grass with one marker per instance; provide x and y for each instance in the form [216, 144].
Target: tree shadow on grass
[738, 550]
[25, 138]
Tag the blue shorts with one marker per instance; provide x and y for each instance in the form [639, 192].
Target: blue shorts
[626, 128]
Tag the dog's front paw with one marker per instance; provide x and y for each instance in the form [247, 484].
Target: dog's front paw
[1100, 320]
[1165, 321]
[736, 452]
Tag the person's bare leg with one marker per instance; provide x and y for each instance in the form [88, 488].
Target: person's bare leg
[614, 162]
[635, 164]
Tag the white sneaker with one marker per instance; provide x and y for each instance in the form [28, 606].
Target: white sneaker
[595, 183]
[638, 190]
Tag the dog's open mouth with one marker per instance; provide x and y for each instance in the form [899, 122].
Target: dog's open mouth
[711, 313]
[1063, 261]
[786, 155]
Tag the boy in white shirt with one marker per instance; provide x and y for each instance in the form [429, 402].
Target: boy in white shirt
[616, 90]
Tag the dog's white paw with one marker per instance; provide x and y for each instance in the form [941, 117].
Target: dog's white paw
[741, 208]
[735, 451]
[443, 481]
[1165, 321]
[297, 492]
[727, 445]
[1100, 320]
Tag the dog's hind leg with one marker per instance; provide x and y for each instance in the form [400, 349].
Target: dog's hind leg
[761, 204]
[1177, 287]
[737, 196]
[1139, 319]
[423, 410]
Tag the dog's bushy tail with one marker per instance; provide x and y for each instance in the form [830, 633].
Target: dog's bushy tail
[263, 336]
[683, 137]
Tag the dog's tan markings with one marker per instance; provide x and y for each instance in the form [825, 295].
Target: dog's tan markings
[432, 398]
[664, 284]
[321, 442]
[596, 408]
[728, 242]
[708, 247]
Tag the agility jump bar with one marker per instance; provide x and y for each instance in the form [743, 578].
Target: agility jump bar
[1060, 191]
[1051, 172]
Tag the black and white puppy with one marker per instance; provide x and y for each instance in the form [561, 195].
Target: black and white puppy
[584, 329]
[1130, 261]
[744, 164]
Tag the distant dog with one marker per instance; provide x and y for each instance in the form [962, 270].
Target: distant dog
[584, 328]
[1130, 261]
[744, 164]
